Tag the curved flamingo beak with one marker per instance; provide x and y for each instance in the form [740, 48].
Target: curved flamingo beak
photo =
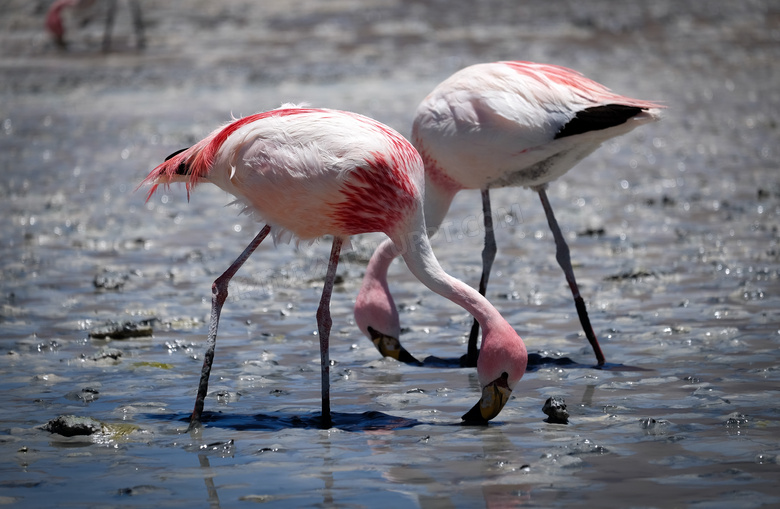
[390, 346]
[494, 397]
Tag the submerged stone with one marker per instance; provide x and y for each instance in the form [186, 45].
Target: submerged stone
[555, 409]
[72, 425]
[125, 330]
[110, 280]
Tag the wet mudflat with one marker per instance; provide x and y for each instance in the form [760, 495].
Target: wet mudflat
[105, 297]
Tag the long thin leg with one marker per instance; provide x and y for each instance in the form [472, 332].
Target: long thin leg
[138, 23]
[488, 256]
[564, 260]
[110, 14]
[324, 323]
[219, 292]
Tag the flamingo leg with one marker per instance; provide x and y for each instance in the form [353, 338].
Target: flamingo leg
[488, 256]
[138, 24]
[219, 293]
[324, 323]
[564, 260]
[110, 15]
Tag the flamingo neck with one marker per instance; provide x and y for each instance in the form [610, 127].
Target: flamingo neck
[438, 199]
[374, 305]
[421, 261]
[380, 261]
[503, 351]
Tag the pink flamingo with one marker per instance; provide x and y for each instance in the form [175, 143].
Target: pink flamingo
[57, 28]
[502, 124]
[314, 172]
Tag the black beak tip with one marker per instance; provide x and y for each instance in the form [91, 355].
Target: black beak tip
[407, 358]
[474, 417]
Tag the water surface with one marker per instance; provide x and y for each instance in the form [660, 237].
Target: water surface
[673, 230]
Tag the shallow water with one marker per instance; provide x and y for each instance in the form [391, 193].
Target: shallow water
[673, 230]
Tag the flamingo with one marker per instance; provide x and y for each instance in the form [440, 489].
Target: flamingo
[57, 28]
[501, 124]
[312, 172]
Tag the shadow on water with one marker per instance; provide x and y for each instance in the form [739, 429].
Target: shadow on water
[609, 366]
[535, 362]
[367, 421]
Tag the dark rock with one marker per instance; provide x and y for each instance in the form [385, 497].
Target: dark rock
[110, 355]
[116, 330]
[555, 409]
[72, 425]
[87, 395]
[110, 280]
[632, 275]
[592, 232]
[144, 489]
[737, 420]
[654, 426]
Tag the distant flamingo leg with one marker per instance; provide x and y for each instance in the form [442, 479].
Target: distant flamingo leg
[138, 24]
[219, 292]
[110, 15]
[488, 256]
[564, 260]
[324, 323]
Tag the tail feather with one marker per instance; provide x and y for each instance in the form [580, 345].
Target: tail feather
[585, 87]
[173, 169]
[176, 153]
[598, 118]
[184, 165]
[192, 165]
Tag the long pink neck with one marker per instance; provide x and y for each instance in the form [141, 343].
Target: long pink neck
[438, 198]
[502, 350]
[421, 261]
[374, 305]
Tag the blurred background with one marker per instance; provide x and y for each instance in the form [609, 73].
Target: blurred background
[673, 231]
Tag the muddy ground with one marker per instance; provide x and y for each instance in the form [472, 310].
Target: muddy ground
[673, 230]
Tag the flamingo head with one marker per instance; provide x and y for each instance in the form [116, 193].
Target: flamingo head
[377, 318]
[375, 312]
[390, 346]
[502, 362]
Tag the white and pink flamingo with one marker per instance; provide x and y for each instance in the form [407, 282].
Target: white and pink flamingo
[87, 8]
[313, 172]
[492, 125]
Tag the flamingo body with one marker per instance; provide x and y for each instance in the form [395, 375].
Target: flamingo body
[514, 124]
[54, 19]
[507, 124]
[56, 27]
[312, 172]
[302, 180]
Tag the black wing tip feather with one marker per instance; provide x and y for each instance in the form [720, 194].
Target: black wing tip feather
[598, 118]
[183, 168]
[176, 153]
